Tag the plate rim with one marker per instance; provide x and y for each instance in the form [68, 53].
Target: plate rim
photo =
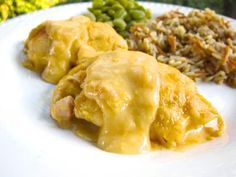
[16, 20]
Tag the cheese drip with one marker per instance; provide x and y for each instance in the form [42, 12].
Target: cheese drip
[184, 117]
[123, 100]
[111, 98]
[54, 47]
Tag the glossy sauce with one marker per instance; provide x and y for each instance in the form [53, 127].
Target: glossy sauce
[54, 47]
[126, 102]
[113, 86]
[184, 116]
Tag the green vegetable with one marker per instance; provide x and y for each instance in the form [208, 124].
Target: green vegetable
[130, 5]
[137, 14]
[98, 4]
[96, 12]
[125, 3]
[105, 9]
[121, 14]
[111, 12]
[119, 24]
[117, 7]
[103, 18]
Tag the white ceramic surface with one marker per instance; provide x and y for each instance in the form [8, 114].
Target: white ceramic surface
[31, 145]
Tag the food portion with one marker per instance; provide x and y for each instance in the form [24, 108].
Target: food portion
[110, 96]
[201, 44]
[120, 14]
[184, 117]
[113, 100]
[54, 47]
[128, 101]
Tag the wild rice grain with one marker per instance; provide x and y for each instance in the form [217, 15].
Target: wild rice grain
[201, 44]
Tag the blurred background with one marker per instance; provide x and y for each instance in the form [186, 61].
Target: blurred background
[12, 8]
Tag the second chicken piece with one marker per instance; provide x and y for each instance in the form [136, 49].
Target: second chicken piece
[54, 47]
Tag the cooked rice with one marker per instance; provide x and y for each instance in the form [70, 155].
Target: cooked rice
[201, 44]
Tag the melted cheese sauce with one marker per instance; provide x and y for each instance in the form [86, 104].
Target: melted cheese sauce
[115, 82]
[126, 102]
[54, 47]
[110, 99]
[183, 117]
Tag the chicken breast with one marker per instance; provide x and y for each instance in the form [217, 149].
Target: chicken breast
[112, 98]
[54, 47]
[184, 116]
[123, 100]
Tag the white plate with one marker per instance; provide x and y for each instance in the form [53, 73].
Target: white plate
[31, 144]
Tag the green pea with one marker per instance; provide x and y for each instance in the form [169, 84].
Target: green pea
[103, 18]
[91, 16]
[95, 11]
[104, 8]
[111, 12]
[128, 18]
[119, 24]
[138, 7]
[110, 2]
[136, 4]
[130, 5]
[98, 4]
[124, 3]
[137, 14]
[117, 7]
[120, 14]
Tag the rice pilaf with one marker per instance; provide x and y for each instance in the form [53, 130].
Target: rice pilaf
[201, 44]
